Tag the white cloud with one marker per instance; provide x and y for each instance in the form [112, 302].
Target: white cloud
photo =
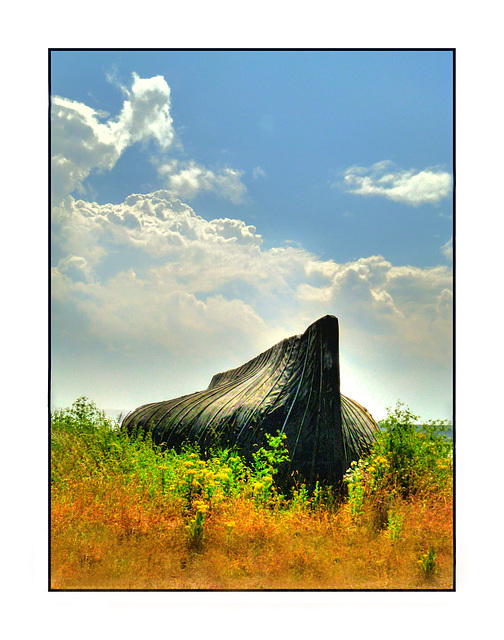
[151, 310]
[146, 114]
[447, 249]
[258, 172]
[80, 142]
[156, 226]
[76, 268]
[188, 179]
[410, 187]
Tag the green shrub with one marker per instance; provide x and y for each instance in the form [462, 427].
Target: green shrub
[82, 417]
[407, 458]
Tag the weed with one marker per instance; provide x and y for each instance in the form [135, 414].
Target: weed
[196, 526]
[428, 563]
[394, 524]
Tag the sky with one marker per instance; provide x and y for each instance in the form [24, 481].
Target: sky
[207, 204]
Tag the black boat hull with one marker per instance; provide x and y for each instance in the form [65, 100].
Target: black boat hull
[292, 388]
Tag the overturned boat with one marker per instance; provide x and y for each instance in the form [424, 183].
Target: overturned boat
[292, 388]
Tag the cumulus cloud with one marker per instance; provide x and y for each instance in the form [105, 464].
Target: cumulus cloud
[81, 142]
[397, 304]
[188, 179]
[156, 226]
[411, 187]
[146, 310]
[146, 113]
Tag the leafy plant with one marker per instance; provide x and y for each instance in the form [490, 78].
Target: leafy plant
[268, 462]
[196, 526]
[394, 524]
[428, 563]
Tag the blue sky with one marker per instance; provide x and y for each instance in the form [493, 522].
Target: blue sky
[272, 187]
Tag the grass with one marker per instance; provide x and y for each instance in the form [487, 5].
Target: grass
[127, 515]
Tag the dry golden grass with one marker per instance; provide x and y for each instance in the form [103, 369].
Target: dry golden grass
[127, 515]
[108, 535]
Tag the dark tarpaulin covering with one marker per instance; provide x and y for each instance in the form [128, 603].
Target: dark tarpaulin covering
[293, 387]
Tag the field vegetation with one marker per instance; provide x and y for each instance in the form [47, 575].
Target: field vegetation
[126, 514]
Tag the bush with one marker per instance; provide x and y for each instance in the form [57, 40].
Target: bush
[82, 417]
[84, 443]
[406, 459]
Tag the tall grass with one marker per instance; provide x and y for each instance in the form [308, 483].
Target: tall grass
[127, 514]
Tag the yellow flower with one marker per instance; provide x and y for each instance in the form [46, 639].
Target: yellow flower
[200, 506]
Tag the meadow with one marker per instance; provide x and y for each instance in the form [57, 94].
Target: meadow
[126, 514]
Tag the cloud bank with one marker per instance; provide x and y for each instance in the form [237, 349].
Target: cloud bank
[409, 187]
[150, 275]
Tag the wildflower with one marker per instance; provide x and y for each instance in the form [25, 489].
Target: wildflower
[200, 506]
